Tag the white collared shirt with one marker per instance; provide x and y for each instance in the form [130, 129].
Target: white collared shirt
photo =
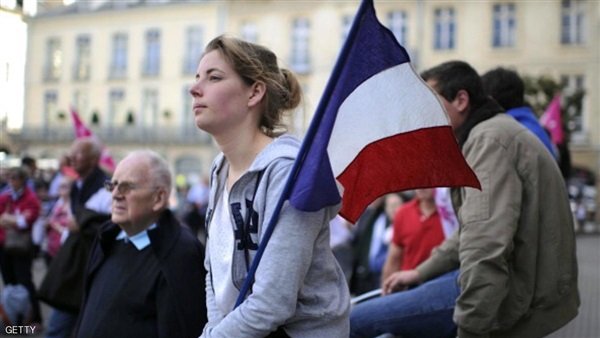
[140, 240]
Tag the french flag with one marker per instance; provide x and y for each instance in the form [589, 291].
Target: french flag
[378, 129]
[81, 130]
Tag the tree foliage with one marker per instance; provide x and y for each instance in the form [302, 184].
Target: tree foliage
[539, 92]
[95, 117]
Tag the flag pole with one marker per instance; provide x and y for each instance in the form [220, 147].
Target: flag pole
[312, 130]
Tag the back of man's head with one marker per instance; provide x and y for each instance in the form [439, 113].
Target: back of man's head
[453, 76]
[505, 86]
[30, 163]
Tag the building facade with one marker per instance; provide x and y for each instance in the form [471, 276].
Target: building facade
[126, 66]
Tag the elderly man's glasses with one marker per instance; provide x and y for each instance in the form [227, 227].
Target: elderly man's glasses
[124, 187]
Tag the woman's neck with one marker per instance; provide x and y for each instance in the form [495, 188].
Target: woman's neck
[241, 150]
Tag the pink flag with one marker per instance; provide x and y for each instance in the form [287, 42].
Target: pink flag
[81, 130]
[551, 119]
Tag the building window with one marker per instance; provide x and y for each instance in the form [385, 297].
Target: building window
[299, 116]
[50, 108]
[445, 27]
[573, 22]
[571, 85]
[152, 61]
[117, 116]
[504, 25]
[53, 59]
[346, 25]
[82, 58]
[397, 22]
[249, 32]
[81, 102]
[194, 45]
[118, 63]
[300, 62]
[149, 108]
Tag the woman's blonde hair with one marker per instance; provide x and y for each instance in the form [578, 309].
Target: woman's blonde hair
[253, 63]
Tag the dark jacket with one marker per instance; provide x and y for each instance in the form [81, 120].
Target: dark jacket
[180, 256]
[62, 287]
[63, 284]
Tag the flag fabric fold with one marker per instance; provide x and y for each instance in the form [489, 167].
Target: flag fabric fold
[552, 120]
[379, 129]
[81, 131]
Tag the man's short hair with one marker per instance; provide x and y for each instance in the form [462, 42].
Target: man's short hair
[505, 86]
[453, 76]
[28, 161]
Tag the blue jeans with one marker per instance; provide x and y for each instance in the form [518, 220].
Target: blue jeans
[61, 324]
[424, 311]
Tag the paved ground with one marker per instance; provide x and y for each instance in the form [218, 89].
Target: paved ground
[586, 325]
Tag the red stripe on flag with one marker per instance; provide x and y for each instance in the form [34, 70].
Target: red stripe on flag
[370, 175]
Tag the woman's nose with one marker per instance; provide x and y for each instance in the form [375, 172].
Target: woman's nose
[195, 89]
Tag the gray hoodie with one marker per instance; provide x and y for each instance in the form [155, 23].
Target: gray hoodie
[298, 283]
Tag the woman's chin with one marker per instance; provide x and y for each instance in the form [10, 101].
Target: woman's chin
[199, 123]
[203, 126]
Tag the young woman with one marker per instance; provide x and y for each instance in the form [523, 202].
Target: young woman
[299, 290]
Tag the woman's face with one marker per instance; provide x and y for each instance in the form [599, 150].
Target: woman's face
[221, 98]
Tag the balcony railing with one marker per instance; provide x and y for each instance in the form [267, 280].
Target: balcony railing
[116, 135]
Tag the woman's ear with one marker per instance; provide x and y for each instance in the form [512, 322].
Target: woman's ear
[257, 92]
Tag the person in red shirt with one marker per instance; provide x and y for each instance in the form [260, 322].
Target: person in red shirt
[417, 230]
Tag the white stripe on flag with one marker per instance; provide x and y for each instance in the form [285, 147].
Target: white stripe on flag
[392, 102]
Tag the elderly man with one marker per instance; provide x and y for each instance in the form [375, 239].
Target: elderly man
[515, 246]
[145, 276]
[90, 203]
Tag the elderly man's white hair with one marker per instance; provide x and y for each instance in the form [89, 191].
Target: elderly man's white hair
[158, 168]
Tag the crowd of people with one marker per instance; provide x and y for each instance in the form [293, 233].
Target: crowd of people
[123, 262]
